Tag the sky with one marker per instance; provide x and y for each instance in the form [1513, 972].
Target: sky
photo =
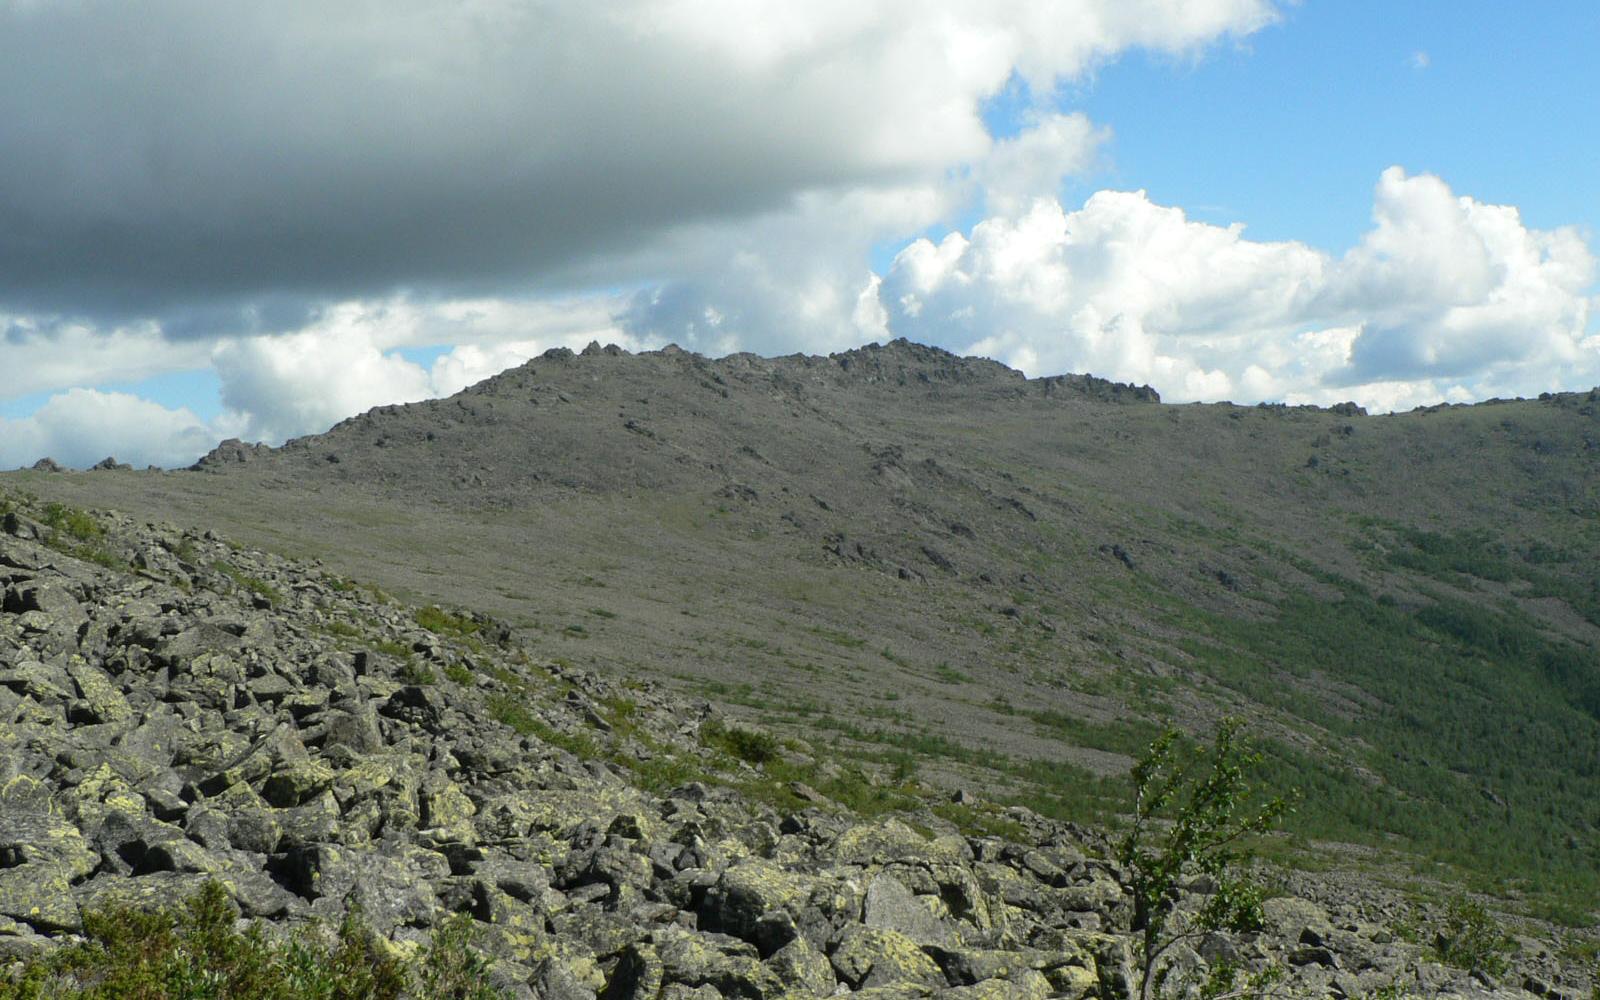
[255, 220]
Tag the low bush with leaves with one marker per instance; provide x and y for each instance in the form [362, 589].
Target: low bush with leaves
[1472, 939]
[749, 745]
[196, 952]
[1193, 814]
[79, 524]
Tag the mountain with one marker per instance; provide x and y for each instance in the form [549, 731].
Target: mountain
[994, 582]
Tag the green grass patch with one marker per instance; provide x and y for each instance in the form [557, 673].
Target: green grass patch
[513, 711]
[842, 639]
[343, 630]
[394, 648]
[254, 585]
[1470, 553]
[441, 622]
[981, 821]
[1124, 736]
[1052, 788]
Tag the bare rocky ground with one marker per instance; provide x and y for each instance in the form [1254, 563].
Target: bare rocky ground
[175, 708]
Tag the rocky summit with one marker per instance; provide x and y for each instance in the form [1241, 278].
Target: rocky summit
[176, 710]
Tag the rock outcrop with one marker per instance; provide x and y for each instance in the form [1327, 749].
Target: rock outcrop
[176, 710]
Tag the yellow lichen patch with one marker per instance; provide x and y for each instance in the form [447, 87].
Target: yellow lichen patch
[449, 808]
[100, 792]
[763, 885]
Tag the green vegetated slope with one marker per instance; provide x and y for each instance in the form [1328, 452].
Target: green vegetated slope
[981, 579]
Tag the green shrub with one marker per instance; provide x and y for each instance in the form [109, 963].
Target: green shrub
[77, 533]
[77, 523]
[1472, 939]
[749, 745]
[413, 672]
[390, 647]
[195, 952]
[1192, 813]
[452, 968]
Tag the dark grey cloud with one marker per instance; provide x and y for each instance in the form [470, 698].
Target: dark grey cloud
[217, 157]
[209, 155]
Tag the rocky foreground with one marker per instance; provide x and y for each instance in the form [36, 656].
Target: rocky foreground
[176, 710]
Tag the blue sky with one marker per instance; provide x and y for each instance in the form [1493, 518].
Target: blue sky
[1288, 130]
[254, 236]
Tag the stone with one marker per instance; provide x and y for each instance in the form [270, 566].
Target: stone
[637, 976]
[728, 965]
[357, 730]
[554, 981]
[867, 957]
[747, 891]
[800, 966]
[40, 895]
[103, 700]
[891, 906]
[296, 782]
[1297, 919]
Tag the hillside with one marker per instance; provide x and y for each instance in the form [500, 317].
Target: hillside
[1006, 583]
[185, 719]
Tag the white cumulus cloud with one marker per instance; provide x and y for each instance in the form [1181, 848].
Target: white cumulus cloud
[81, 426]
[1445, 296]
[1452, 288]
[47, 356]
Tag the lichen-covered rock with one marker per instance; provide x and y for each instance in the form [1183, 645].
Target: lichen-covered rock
[747, 891]
[891, 906]
[39, 895]
[866, 956]
[800, 966]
